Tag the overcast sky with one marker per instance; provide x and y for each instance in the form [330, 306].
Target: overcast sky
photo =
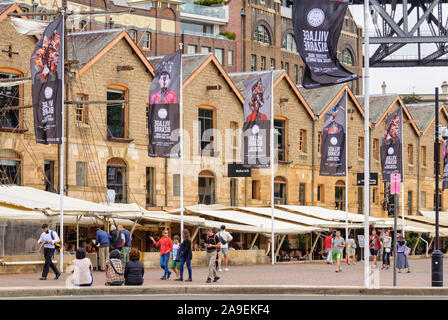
[404, 80]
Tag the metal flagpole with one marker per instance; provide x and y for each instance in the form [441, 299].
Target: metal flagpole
[272, 167]
[181, 126]
[366, 144]
[402, 169]
[61, 152]
[346, 168]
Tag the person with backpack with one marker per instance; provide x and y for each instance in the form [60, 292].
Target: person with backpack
[114, 270]
[211, 244]
[116, 239]
[50, 240]
[224, 238]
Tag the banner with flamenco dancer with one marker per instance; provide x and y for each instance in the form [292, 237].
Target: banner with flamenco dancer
[257, 121]
[163, 113]
[47, 88]
[391, 146]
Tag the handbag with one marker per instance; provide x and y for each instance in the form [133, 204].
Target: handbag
[407, 251]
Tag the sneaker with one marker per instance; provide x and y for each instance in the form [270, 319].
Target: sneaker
[168, 276]
[226, 269]
[179, 279]
[216, 279]
[189, 280]
[219, 270]
[58, 275]
[163, 278]
[208, 280]
[43, 278]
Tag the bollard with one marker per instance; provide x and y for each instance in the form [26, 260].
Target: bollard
[437, 268]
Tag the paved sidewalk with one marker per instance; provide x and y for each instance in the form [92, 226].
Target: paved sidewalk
[309, 274]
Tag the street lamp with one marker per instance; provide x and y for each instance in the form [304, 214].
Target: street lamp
[437, 257]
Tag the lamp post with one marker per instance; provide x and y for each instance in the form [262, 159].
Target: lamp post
[437, 257]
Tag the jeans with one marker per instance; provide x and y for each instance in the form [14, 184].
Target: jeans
[188, 261]
[164, 260]
[386, 258]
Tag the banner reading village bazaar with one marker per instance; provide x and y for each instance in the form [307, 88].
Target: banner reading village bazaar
[317, 27]
[257, 121]
[333, 147]
[47, 74]
[391, 146]
[163, 113]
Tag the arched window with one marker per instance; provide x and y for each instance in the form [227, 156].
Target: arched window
[116, 181]
[206, 187]
[280, 190]
[82, 25]
[339, 195]
[262, 35]
[347, 57]
[289, 43]
[10, 167]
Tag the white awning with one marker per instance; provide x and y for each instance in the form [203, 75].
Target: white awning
[408, 227]
[294, 217]
[264, 224]
[327, 214]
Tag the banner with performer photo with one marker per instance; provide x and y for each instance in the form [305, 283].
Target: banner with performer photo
[47, 88]
[257, 121]
[445, 165]
[391, 146]
[163, 113]
[334, 144]
[317, 27]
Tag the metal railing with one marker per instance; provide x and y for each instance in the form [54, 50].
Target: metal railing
[215, 12]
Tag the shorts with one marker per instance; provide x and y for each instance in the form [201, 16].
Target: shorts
[175, 264]
[373, 252]
[224, 251]
[337, 256]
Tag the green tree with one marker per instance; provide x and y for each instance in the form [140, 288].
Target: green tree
[413, 98]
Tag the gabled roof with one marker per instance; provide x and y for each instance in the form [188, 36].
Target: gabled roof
[87, 47]
[278, 75]
[8, 7]
[193, 64]
[424, 114]
[380, 105]
[318, 99]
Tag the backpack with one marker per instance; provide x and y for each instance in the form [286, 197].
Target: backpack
[221, 239]
[56, 244]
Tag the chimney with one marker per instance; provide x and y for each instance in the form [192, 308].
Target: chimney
[383, 87]
[444, 87]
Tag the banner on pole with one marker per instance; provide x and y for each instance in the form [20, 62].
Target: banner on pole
[47, 73]
[333, 145]
[395, 183]
[317, 27]
[163, 113]
[445, 166]
[257, 121]
[391, 146]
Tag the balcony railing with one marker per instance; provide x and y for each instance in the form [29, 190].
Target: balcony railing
[213, 12]
[203, 34]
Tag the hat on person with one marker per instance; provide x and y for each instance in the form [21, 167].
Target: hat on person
[223, 227]
[112, 228]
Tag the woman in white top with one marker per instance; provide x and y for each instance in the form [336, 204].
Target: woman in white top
[350, 249]
[82, 269]
[387, 248]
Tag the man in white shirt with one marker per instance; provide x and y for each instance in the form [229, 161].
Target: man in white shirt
[49, 238]
[226, 237]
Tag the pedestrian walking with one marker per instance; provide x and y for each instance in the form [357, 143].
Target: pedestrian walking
[82, 269]
[175, 257]
[186, 255]
[166, 245]
[134, 270]
[49, 238]
[350, 249]
[225, 239]
[211, 244]
[387, 249]
[127, 244]
[402, 255]
[338, 247]
[374, 246]
[116, 238]
[328, 246]
[114, 269]
[103, 241]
